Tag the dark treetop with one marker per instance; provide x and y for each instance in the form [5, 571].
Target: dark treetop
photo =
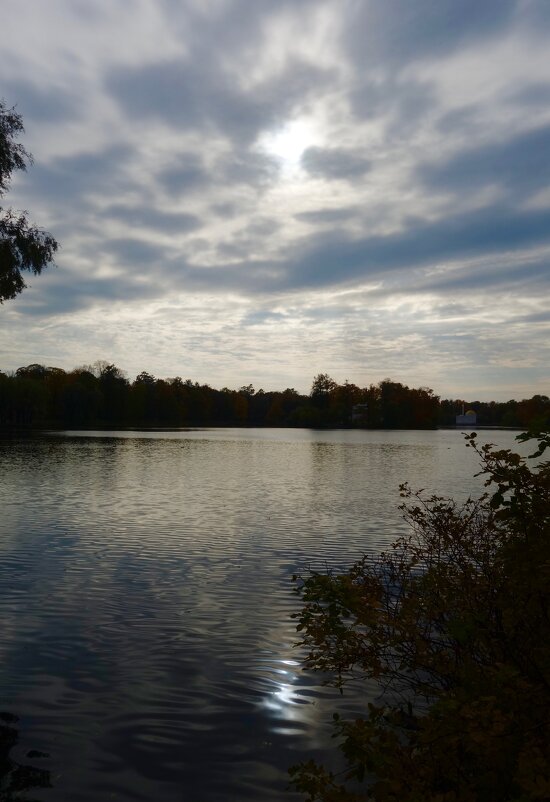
[23, 247]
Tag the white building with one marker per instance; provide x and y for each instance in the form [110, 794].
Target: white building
[467, 418]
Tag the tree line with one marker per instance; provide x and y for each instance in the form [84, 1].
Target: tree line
[101, 395]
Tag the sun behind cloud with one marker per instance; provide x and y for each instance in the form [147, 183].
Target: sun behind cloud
[289, 142]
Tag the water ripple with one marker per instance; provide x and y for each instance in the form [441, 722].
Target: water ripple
[146, 594]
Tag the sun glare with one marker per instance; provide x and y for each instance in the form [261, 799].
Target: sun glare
[288, 143]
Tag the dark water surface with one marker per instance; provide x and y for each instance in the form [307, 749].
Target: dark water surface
[145, 596]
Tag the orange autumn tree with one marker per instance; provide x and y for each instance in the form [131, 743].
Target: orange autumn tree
[454, 624]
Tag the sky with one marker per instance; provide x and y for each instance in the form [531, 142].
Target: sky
[257, 191]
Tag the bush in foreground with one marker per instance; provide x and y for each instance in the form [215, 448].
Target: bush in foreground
[454, 624]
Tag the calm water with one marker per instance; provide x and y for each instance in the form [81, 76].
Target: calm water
[145, 596]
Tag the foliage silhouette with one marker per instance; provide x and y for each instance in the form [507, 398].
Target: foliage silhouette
[16, 778]
[23, 247]
[454, 625]
[100, 394]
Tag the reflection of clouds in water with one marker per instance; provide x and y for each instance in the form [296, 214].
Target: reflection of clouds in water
[168, 561]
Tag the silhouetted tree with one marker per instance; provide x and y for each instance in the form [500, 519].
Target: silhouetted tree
[321, 388]
[114, 390]
[23, 247]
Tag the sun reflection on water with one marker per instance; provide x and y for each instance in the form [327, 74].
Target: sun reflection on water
[284, 700]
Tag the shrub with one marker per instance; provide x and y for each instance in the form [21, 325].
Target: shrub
[454, 624]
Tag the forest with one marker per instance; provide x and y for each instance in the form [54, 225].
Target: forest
[102, 395]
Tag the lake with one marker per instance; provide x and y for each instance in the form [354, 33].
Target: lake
[146, 594]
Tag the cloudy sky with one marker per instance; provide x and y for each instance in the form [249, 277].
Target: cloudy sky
[261, 190]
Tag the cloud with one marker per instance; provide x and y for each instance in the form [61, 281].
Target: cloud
[335, 163]
[57, 296]
[401, 260]
[532, 95]
[260, 317]
[420, 200]
[132, 252]
[226, 209]
[462, 120]
[519, 166]
[41, 104]
[257, 170]
[404, 101]
[535, 317]
[326, 216]
[185, 174]
[194, 95]
[71, 179]
[187, 96]
[259, 233]
[340, 260]
[396, 32]
[145, 217]
[474, 280]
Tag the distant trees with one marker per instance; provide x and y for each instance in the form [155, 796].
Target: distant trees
[453, 625]
[395, 406]
[388, 405]
[113, 387]
[23, 247]
[530, 412]
[100, 394]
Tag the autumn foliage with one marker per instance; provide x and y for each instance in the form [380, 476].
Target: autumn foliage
[454, 624]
